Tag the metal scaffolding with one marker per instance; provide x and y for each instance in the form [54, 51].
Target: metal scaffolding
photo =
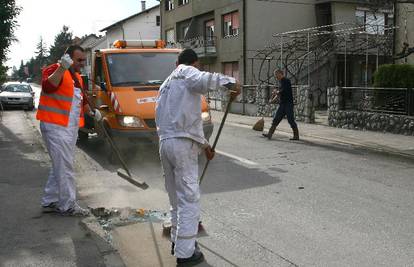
[304, 54]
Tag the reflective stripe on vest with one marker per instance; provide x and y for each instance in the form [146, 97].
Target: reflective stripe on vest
[55, 110]
[58, 97]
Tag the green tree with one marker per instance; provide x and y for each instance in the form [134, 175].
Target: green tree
[15, 73]
[41, 52]
[62, 41]
[34, 69]
[8, 23]
[22, 74]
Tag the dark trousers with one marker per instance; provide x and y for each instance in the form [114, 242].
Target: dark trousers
[285, 109]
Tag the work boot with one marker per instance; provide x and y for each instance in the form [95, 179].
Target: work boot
[270, 132]
[76, 211]
[295, 134]
[52, 207]
[197, 258]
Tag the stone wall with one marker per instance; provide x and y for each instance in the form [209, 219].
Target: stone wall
[360, 120]
[259, 96]
[304, 108]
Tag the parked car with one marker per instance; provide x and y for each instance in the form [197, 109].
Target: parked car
[16, 94]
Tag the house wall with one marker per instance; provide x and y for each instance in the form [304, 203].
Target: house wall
[266, 18]
[142, 26]
[405, 32]
[228, 49]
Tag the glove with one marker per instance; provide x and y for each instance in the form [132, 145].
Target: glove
[97, 115]
[65, 61]
[234, 91]
[209, 152]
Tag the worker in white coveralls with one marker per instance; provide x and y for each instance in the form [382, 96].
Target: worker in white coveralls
[180, 130]
[60, 111]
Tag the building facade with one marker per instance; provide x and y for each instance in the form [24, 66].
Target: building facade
[405, 32]
[229, 35]
[142, 25]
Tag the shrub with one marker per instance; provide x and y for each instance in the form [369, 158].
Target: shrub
[394, 76]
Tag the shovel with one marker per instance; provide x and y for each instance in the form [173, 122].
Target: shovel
[223, 120]
[127, 174]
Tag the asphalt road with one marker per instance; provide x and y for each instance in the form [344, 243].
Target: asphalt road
[281, 203]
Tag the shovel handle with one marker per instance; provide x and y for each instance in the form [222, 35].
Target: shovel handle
[223, 120]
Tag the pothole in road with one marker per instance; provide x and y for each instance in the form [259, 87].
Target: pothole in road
[109, 219]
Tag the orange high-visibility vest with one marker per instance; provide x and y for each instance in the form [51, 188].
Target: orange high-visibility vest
[55, 107]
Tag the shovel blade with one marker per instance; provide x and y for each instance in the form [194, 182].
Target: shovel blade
[121, 173]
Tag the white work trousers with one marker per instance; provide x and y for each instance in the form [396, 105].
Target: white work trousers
[61, 143]
[179, 159]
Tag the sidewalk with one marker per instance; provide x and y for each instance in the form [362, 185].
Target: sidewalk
[28, 236]
[380, 142]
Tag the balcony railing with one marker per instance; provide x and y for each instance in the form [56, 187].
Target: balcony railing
[204, 47]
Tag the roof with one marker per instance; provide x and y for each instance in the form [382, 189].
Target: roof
[130, 17]
[89, 44]
[141, 50]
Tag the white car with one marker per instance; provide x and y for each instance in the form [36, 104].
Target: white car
[16, 94]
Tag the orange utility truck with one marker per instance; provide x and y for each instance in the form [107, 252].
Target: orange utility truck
[124, 85]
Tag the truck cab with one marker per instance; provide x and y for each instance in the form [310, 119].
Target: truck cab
[124, 86]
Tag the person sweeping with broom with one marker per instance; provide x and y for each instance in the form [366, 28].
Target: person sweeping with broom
[180, 131]
[285, 107]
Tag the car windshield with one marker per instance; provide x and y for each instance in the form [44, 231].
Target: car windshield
[17, 88]
[134, 69]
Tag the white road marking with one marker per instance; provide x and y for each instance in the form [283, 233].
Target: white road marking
[243, 160]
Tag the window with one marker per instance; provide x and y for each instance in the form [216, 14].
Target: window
[18, 88]
[231, 69]
[185, 31]
[231, 24]
[183, 2]
[158, 20]
[98, 76]
[169, 5]
[170, 36]
[209, 29]
[133, 69]
[373, 22]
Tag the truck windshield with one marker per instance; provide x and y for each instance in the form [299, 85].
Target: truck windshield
[134, 69]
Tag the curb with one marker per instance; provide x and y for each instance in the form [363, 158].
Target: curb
[109, 254]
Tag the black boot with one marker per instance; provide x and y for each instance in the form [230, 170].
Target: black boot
[295, 134]
[191, 261]
[270, 132]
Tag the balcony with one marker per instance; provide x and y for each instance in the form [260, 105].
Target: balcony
[204, 47]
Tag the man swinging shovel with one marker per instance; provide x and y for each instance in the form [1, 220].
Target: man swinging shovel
[180, 129]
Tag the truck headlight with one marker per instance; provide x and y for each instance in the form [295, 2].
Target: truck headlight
[130, 121]
[205, 116]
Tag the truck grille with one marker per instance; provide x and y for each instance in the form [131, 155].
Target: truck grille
[150, 123]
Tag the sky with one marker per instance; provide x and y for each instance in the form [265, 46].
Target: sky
[46, 18]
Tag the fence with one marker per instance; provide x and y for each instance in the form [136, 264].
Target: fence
[398, 101]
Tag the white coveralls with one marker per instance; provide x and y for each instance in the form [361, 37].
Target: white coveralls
[180, 129]
[61, 142]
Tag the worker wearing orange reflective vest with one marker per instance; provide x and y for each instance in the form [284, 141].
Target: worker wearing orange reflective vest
[60, 111]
